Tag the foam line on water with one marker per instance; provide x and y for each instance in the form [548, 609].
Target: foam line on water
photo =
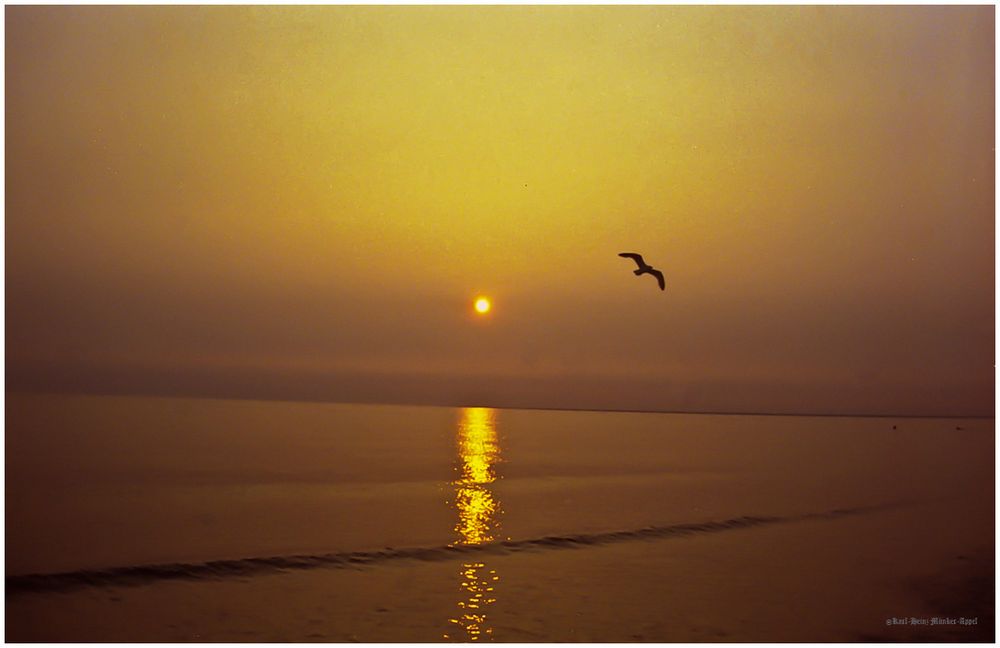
[244, 567]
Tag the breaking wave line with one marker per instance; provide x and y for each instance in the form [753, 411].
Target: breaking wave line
[243, 567]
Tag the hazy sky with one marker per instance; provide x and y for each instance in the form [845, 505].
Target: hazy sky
[304, 201]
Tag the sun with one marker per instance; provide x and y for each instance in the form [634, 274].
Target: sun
[482, 305]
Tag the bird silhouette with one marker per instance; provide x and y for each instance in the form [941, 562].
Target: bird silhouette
[644, 268]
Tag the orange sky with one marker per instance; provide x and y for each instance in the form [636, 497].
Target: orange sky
[303, 202]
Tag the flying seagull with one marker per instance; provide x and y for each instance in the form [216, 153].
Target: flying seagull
[644, 268]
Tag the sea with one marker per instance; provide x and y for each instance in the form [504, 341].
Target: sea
[110, 486]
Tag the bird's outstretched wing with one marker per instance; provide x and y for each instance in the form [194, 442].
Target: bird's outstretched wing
[659, 278]
[635, 257]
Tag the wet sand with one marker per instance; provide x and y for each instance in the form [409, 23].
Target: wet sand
[834, 579]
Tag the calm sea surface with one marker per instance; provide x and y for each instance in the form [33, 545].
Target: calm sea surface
[103, 481]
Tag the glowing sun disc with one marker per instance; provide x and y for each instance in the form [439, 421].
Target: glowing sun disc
[482, 305]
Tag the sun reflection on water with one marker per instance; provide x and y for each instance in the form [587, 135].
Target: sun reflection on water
[478, 516]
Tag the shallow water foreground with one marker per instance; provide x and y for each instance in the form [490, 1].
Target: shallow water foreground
[145, 519]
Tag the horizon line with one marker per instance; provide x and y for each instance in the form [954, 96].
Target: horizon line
[453, 405]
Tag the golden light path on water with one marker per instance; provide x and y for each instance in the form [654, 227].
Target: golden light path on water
[478, 516]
